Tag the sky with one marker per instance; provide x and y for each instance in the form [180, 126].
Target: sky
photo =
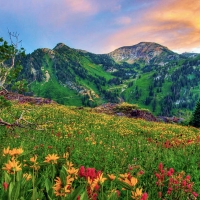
[101, 26]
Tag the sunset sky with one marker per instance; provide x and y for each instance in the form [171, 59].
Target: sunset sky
[100, 26]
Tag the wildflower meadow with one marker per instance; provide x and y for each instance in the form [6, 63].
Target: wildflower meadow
[76, 154]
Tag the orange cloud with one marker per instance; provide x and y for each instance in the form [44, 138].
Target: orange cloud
[175, 24]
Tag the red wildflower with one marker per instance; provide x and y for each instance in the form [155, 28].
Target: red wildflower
[5, 185]
[82, 171]
[144, 196]
[159, 195]
[187, 177]
[118, 193]
[195, 194]
[160, 167]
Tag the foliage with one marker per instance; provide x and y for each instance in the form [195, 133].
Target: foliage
[4, 103]
[9, 70]
[195, 121]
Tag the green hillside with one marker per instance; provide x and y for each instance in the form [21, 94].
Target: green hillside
[164, 82]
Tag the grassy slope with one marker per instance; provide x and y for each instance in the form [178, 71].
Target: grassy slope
[62, 94]
[105, 142]
[53, 90]
[68, 96]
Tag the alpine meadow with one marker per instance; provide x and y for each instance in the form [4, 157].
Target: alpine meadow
[76, 125]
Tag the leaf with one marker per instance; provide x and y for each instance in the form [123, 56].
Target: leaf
[7, 178]
[48, 184]
[76, 192]
[49, 188]
[19, 176]
[113, 196]
[34, 194]
[63, 175]
[16, 191]
[84, 196]
[10, 189]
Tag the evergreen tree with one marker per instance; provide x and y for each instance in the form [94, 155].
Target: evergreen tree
[195, 121]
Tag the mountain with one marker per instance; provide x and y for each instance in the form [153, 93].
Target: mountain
[146, 51]
[146, 74]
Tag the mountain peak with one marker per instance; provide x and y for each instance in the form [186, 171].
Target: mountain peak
[146, 51]
[60, 45]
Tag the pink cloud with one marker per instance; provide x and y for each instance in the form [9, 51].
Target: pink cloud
[175, 24]
[81, 6]
[123, 20]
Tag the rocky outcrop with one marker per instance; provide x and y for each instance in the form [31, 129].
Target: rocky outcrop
[146, 51]
[111, 109]
[24, 99]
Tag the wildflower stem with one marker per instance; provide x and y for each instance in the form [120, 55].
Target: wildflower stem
[33, 180]
[14, 175]
[102, 191]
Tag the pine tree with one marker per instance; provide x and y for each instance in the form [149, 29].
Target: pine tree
[195, 121]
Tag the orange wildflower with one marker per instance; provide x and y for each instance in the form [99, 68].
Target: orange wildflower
[6, 151]
[60, 189]
[101, 179]
[27, 176]
[111, 177]
[15, 151]
[73, 171]
[53, 158]
[137, 193]
[33, 159]
[132, 181]
[12, 166]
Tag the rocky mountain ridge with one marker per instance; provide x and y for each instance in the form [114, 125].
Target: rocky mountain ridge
[145, 51]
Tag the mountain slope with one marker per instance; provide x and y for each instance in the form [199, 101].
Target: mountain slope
[147, 74]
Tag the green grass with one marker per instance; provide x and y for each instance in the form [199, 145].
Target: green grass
[107, 143]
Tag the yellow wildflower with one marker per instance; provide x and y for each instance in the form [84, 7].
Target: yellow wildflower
[101, 179]
[69, 180]
[15, 151]
[92, 183]
[33, 159]
[69, 164]
[137, 193]
[53, 158]
[6, 151]
[111, 177]
[58, 188]
[12, 166]
[19, 151]
[73, 171]
[35, 164]
[66, 155]
[124, 176]
[132, 182]
[27, 176]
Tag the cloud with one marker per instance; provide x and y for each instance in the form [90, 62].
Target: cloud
[123, 20]
[175, 24]
[81, 6]
[102, 26]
